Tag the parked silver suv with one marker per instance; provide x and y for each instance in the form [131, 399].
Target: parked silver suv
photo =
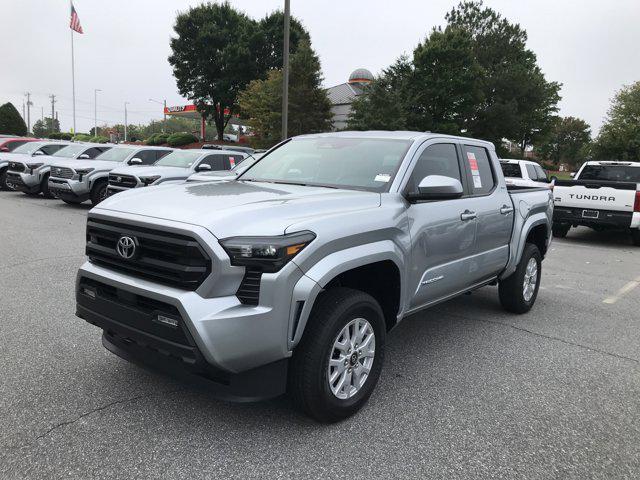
[174, 168]
[291, 276]
[76, 181]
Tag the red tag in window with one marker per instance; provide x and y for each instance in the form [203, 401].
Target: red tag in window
[473, 163]
[232, 161]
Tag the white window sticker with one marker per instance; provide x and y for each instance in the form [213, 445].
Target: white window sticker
[477, 182]
[382, 177]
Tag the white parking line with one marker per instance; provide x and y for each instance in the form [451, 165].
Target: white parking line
[622, 292]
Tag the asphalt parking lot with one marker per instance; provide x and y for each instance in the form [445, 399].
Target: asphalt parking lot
[468, 391]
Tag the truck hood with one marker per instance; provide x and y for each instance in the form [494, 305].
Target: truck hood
[95, 164]
[215, 176]
[150, 170]
[235, 208]
[23, 158]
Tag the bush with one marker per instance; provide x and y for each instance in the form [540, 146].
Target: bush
[179, 139]
[157, 139]
[99, 139]
[60, 136]
[82, 137]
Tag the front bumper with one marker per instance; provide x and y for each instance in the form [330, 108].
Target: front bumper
[593, 218]
[71, 189]
[24, 182]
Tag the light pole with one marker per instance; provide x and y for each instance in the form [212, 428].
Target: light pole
[125, 120]
[164, 111]
[95, 111]
[285, 70]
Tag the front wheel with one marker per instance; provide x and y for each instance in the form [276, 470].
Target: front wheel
[98, 193]
[560, 231]
[635, 237]
[44, 187]
[518, 292]
[336, 366]
[3, 180]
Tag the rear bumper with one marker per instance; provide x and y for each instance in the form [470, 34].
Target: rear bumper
[130, 332]
[594, 218]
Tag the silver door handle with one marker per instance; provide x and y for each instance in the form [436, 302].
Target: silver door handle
[467, 215]
[505, 210]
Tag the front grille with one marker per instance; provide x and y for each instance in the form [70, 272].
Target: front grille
[17, 167]
[62, 172]
[126, 181]
[164, 257]
[249, 290]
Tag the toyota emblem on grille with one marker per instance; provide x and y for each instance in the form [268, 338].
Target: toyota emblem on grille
[126, 247]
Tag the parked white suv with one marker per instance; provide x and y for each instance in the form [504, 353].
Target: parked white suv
[524, 173]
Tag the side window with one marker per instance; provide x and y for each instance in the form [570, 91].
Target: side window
[234, 160]
[215, 161]
[438, 159]
[148, 157]
[51, 149]
[531, 171]
[161, 153]
[482, 177]
[542, 176]
[16, 144]
[93, 152]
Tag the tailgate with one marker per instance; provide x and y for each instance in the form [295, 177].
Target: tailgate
[595, 195]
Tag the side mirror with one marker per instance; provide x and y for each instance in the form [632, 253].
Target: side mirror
[203, 167]
[84, 156]
[437, 187]
[135, 161]
[38, 152]
[572, 174]
[4, 149]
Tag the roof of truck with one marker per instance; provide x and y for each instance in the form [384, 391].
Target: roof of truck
[388, 134]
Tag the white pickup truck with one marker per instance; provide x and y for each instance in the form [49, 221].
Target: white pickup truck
[603, 196]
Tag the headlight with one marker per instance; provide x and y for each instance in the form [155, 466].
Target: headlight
[34, 166]
[149, 180]
[268, 253]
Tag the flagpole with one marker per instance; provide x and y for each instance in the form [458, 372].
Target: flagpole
[73, 80]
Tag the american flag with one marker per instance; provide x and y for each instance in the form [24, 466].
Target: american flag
[75, 21]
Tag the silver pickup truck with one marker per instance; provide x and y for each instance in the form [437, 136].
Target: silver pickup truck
[26, 154]
[289, 278]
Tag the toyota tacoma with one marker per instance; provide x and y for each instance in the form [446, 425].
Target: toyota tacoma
[289, 277]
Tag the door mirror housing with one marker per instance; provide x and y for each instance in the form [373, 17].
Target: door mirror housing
[203, 167]
[135, 161]
[437, 187]
[572, 174]
[84, 156]
[38, 152]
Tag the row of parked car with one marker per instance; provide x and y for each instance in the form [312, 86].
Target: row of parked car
[78, 172]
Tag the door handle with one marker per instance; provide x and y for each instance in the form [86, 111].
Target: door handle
[467, 215]
[506, 209]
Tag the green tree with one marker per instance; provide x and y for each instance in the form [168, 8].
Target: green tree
[619, 137]
[518, 103]
[11, 123]
[387, 101]
[217, 51]
[568, 142]
[46, 128]
[309, 107]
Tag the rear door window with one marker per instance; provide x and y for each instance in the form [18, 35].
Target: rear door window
[216, 162]
[148, 157]
[482, 177]
[512, 170]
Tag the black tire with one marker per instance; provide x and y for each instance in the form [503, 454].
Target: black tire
[98, 192]
[71, 201]
[44, 187]
[560, 231]
[3, 180]
[635, 237]
[511, 289]
[308, 374]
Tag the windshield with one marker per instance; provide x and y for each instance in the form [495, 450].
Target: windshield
[180, 158]
[615, 173]
[70, 151]
[511, 170]
[29, 147]
[353, 163]
[116, 154]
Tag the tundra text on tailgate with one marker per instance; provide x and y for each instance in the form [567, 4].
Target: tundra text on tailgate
[289, 277]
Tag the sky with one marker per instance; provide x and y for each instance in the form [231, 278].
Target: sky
[592, 47]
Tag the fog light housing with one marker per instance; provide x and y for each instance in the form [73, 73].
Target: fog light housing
[167, 321]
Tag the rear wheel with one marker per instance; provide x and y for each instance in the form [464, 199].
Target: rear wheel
[3, 180]
[98, 192]
[635, 236]
[518, 292]
[71, 201]
[44, 187]
[560, 231]
[336, 366]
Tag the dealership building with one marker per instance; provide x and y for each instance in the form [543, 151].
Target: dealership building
[342, 96]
